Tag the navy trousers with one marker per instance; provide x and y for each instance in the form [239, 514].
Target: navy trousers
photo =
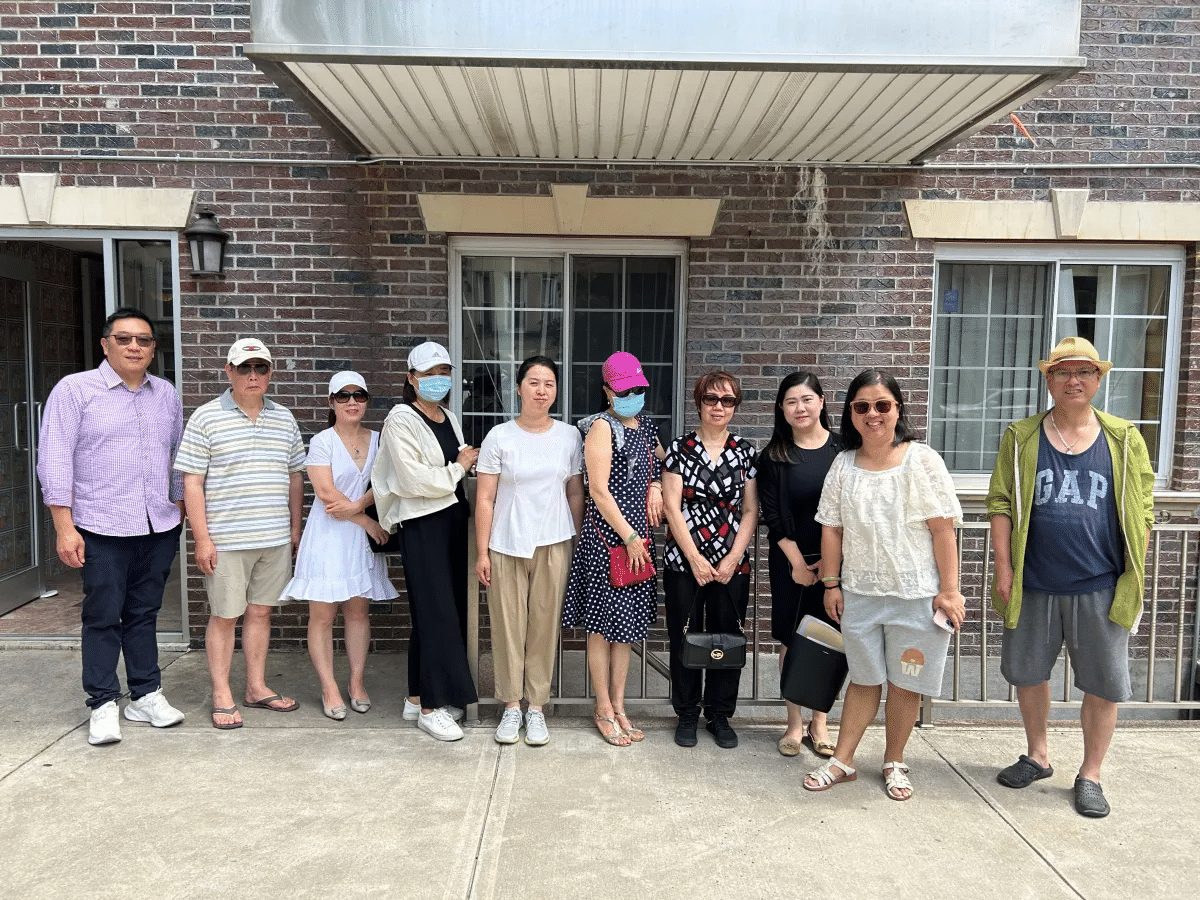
[123, 580]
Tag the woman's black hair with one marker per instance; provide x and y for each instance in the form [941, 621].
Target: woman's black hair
[780, 446]
[408, 393]
[545, 361]
[851, 439]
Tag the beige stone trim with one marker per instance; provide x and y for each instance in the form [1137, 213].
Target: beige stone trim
[38, 199]
[569, 211]
[1069, 215]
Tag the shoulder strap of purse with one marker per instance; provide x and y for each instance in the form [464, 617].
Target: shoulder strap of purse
[728, 593]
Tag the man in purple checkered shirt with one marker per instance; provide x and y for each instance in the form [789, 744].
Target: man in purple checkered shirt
[108, 440]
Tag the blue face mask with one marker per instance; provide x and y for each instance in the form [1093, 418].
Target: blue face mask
[628, 407]
[432, 388]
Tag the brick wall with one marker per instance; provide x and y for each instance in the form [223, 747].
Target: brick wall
[330, 263]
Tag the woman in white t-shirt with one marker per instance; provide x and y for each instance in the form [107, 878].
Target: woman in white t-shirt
[528, 507]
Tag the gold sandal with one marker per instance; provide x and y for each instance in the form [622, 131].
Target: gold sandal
[617, 737]
[634, 733]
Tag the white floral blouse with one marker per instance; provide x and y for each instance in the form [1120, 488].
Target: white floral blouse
[887, 548]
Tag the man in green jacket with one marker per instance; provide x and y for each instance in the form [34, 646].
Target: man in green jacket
[1071, 509]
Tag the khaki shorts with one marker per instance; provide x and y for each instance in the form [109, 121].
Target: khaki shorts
[242, 577]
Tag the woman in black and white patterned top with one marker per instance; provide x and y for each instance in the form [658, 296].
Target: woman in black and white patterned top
[711, 504]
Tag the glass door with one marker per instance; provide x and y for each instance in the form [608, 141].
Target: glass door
[21, 577]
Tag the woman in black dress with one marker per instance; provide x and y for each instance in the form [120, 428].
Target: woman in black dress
[792, 471]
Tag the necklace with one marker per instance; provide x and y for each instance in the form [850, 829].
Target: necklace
[1071, 446]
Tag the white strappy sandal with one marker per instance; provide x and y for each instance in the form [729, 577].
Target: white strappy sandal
[895, 778]
[825, 778]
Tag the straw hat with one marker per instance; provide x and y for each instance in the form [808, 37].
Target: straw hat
[1074, 349]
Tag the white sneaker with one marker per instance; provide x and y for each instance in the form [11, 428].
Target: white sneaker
[413, 710]
[105, 725]
[536, 732]
[509, 729]
[155, 709]
[440, 725]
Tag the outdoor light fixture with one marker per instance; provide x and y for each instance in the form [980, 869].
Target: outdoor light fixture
[207, 241]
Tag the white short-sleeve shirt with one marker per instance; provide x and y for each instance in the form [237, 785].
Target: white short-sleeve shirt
[887, 548]
[531, 508]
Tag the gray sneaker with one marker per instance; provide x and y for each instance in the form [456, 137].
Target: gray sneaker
[509, 729]
[536, 732]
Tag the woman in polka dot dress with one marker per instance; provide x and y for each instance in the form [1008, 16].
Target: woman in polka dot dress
[623, 472]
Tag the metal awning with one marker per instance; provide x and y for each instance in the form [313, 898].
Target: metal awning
[770, 81]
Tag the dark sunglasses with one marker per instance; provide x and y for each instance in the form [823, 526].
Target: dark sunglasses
[143, 340]
[359, 396]
[728, 401]
[883, 407]
[630, 392]
[256, 368]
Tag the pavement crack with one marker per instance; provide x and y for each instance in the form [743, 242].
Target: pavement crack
[485, 819]
[1006, 819]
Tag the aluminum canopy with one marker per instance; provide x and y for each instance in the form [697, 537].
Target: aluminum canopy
[769, 81]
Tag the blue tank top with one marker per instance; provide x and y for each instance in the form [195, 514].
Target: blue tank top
[1074, 542]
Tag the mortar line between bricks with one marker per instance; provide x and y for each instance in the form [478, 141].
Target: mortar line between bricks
[1006, 819]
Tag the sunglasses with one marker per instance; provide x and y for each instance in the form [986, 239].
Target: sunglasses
[256, 368]
[630, 392]
[883, 407]
[728, 400]
[359, 396]
[123, 340]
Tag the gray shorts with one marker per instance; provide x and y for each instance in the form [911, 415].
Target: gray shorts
[894, 639]
[241, 577]
[1098, 647]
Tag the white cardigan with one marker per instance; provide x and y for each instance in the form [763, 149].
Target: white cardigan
[410, 477]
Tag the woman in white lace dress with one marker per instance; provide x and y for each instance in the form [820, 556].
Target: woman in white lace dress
[889, 563]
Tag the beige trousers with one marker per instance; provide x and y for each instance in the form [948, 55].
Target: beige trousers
[525, 604]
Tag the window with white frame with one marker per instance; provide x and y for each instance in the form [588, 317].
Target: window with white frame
[999, 309]
[576, 302]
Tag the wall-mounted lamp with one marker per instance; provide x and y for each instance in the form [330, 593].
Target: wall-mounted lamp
[207, 241]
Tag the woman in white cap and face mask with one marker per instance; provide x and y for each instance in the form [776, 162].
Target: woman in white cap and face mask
[334, 564]
[418, 482]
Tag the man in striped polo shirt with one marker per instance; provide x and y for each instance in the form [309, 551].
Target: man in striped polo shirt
[242, 459]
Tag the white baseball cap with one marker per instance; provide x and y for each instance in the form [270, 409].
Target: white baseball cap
[424, 357]
[247, 348]
[346, 379]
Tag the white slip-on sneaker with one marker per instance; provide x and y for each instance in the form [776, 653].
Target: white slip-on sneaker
[509, 729]
[105, 724]
[412, 711]
[155, 709]
[440, 725]
[536, 732]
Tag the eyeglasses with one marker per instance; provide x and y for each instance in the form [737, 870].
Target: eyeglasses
[143, 340]
[358, 396]
[728, 400]
[883, 407]
[630, 392]
[256, 368]
[1064, 375]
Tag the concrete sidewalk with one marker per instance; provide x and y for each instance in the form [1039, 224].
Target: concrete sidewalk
[297, 806]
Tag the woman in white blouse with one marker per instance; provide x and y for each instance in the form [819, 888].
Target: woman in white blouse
[889, 563]
[528, 507]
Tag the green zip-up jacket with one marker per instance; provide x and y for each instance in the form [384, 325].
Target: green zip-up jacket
[1010, 493]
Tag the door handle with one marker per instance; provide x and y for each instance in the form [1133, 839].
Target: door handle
[17, 426]
[37, 411]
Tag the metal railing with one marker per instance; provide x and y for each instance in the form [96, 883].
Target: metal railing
[1163, 653]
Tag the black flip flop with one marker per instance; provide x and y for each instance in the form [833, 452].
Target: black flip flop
[265, 703]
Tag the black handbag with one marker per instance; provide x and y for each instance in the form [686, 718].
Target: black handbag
[391, 545]
[713, 650]
[813, 674]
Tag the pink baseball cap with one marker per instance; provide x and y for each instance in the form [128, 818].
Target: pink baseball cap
[622, 371]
